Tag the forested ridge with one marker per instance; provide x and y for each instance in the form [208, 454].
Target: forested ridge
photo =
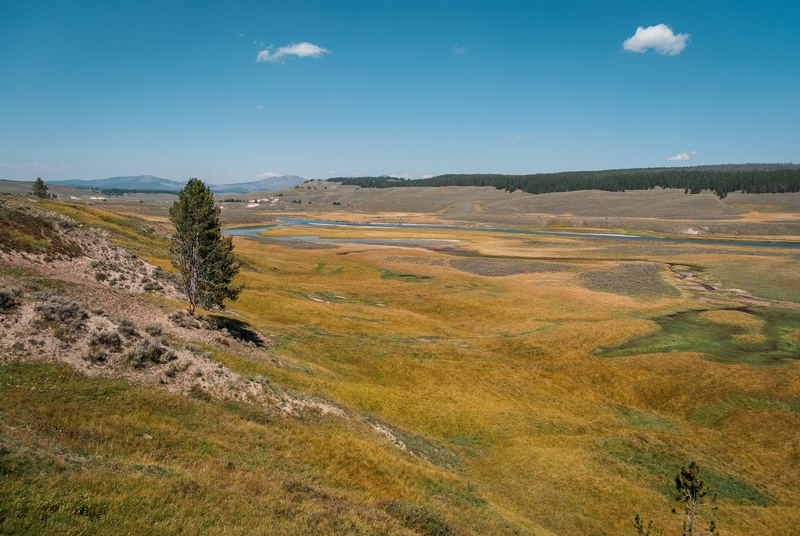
[722, 180]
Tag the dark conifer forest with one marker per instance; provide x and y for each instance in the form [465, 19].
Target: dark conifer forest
[722, 180]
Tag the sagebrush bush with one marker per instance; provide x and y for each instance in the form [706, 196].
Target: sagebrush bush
[152, 286]
[32, 286]
[184, 321]
[147, 351]
[153, 329]
[43, 295]
[95, 355]
[9, 297]
[127, 328]
[62, 309]
[106, 339]
[192, 348]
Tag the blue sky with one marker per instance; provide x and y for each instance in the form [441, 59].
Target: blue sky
[97, 89]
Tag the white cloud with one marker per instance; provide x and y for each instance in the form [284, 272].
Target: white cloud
[459, 49]
[268, 175]
[694, 153]
[259, 107]
[659, 37]
[515, 137]
[301, 50]
[681, 156]
[428, 176]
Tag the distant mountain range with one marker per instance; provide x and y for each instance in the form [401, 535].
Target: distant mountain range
[140, 182]
[148, 182]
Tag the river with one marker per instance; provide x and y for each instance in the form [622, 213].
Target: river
[252, 231]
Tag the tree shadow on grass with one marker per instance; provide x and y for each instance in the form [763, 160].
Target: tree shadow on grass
[238, 329]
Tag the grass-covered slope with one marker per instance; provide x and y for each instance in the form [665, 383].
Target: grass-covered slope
[28, 230]
[102, 456]
[124, 418]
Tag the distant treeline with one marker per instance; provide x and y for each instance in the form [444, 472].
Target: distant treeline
[722, 180]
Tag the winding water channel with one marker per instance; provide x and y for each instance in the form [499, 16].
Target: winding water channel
[285, 222]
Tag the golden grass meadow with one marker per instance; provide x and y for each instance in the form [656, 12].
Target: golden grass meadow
[475, 382]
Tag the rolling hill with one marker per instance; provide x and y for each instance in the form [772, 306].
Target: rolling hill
[138, 182]
[263, 185]
[149, 182]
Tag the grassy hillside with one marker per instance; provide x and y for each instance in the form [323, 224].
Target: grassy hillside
[524, 386]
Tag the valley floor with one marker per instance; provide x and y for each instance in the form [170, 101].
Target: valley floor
[392, 381]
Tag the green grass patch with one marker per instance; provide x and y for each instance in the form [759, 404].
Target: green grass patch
[688, 331]
[712, 414]
[656, 464]
[421, 519]
[14, 271]
[771, 278]
[408, 278]
[458, 495]
[645, 420]
[323, 269]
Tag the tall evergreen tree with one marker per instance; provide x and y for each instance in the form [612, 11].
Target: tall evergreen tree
[203, 257]
[691, 491]
[39, 188]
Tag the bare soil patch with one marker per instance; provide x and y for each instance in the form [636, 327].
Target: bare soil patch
[504, 267]
[488, 267]
[630, 279]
